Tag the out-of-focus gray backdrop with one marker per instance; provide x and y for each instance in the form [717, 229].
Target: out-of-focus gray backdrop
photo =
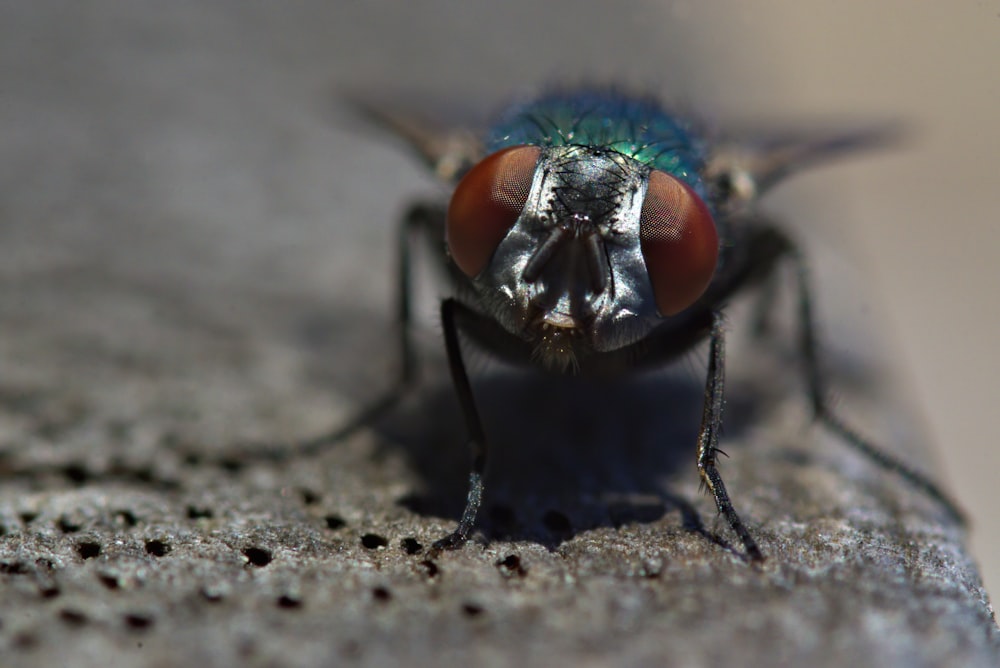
[921, 219]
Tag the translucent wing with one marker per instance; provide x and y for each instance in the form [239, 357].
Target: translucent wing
[449, 151]
[744, 169]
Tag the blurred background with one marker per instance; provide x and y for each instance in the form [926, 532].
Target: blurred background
[126, 120]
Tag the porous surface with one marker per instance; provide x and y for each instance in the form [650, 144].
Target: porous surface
[195, 272]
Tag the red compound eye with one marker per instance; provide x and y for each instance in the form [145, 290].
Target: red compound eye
[486, 204]
[679, 242]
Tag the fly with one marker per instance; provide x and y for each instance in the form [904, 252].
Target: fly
[594, 232]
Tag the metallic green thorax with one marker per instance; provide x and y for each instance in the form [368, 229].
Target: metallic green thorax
[639, 128]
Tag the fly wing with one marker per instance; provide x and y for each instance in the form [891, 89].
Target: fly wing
[745, 169]
[448, 151]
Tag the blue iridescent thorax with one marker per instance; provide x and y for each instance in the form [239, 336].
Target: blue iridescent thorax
[634, 126]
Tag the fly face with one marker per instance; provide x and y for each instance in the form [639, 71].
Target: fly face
[579, 249]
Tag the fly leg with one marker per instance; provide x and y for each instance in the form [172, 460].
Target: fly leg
[422, 219]
[708, 439]
[765, 246]
[426, 219]
[450, 310]
[760, 319]
[702, 323]
[809, 348]
[768, 245]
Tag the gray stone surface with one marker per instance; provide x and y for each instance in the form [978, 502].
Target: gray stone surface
[195, 259]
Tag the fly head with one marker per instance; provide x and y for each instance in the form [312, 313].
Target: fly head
[579, 249]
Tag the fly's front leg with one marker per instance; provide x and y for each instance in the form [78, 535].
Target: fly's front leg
[450, 309]
[809, 348]
[708, 438]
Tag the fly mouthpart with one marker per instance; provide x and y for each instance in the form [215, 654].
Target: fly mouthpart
[556, 320]
[558, 337]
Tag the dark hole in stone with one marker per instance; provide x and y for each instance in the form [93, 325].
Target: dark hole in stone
[651, 570]
[50, 591]
[335, 522]
[472, 609]
[67, 525]
[309, 497]
[373, 541]
[127, 517]
[45, 564]
[25, 640]
[556, 522]
[72, 617]
[411, 546]
[198, 513]
[192, 459]
[258, 556]
[139, 621]
[289, 601]
[108, 580]
[231, 465]
[381, 594]
[430, 567]
[88, 550]
[76, 473]
[14, 568]
[3, 530]
[511, 565]
[28, 517]
[157, 548]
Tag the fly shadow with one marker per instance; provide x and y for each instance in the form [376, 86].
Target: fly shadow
[567, 454]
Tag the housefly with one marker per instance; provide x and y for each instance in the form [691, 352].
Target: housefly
[594, 232]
